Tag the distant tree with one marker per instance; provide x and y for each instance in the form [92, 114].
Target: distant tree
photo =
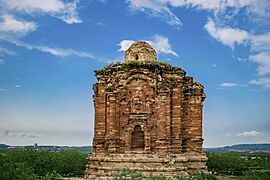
[226, 163]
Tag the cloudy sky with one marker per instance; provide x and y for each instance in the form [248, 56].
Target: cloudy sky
[49, 50]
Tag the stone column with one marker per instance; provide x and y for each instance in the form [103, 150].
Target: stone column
[196, 123]
[192, 117]
[100, 118]
[185, 122]
[147, 138]
[176, 118]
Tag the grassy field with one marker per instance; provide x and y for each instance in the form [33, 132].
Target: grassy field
[32, 164]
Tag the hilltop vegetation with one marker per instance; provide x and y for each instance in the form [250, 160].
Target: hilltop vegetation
[249, 148]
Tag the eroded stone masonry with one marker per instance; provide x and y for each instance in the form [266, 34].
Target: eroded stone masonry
[148, 117]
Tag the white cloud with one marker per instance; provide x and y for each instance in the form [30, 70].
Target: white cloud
[30, 6]
[54, 51]
[162, 8]
[263, 59]
[214, 65]
[9, 24]
[3, 90]
[209, 5]
[249, 134]
[4, 52]
[241, 59]
[263, 81]
[57, 8]
[226, 35]
[18, 86]
[159, 43]
[214, 5]
[125, 44]
[156, 8]
[63, 52]
[100, 24]
[260, 45]
[258, 7]
[231, 84]
[19, 134]
[70, 14]
[103, 1]
[228, 135]
[260, 42]
[2, 61]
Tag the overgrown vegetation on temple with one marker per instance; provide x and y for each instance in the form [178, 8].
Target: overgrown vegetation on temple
[152, 65]
[31, 164]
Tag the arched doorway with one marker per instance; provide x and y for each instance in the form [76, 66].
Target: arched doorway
[137, 139]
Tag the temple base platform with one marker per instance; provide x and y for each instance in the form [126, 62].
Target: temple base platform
[104, 166]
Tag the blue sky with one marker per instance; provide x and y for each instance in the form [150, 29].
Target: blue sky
[49, 50]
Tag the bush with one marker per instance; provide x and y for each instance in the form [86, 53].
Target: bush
[11, 170]
[255, 175]
[19, 164]
[226, 164]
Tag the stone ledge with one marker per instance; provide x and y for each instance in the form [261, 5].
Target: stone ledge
[170, 165]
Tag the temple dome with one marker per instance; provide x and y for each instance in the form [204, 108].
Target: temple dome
[140, 51]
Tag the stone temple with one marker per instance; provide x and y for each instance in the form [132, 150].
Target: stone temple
[148, 117]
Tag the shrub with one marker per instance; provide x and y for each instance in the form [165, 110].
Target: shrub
[198, 177]
[255, 175]
[10, 170]
[18, 164]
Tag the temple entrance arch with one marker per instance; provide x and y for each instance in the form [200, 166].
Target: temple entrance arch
[137, 139]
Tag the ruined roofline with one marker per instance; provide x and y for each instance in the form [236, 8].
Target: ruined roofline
[195, 84]
[151, 65]
[154, 66]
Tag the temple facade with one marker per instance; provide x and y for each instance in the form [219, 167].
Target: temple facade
[148, 117]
